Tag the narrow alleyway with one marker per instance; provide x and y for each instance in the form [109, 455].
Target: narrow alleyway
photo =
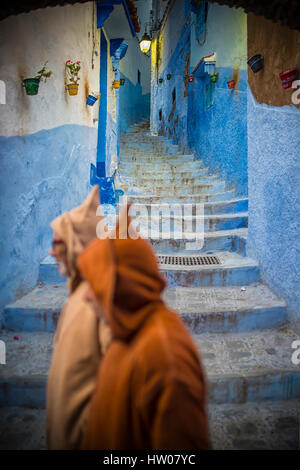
[239, 325]
[180, 106]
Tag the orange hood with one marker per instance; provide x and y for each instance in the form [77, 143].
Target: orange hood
[125, 277]
[77, 228]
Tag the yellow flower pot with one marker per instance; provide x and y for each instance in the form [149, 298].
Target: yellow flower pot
[116, 84]
[72, 88]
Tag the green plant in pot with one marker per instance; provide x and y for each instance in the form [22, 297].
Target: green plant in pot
[72, 69]
[32, 84]
[214, 77]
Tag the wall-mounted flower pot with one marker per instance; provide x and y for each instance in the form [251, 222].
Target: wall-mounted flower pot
[72, 88]
[231, 84]
[122, 81]
[31, 85]
[92, 98]
[256, 63]
[288, 77]
[116, 84]
[160, 80]
[169, 76]
[191, 78]
[214, 77]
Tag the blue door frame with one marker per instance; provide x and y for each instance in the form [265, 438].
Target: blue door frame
[101, 146]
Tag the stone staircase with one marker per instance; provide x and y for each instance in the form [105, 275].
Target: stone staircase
[238, 323]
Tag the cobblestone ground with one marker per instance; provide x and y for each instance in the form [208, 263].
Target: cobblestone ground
[272, 426]
[255, 426]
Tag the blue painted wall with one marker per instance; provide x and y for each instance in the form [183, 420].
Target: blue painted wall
[102, 131]
[217, 135]
[174, 114]
[274, 197]
[42, 175]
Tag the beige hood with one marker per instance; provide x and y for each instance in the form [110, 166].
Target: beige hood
[77, 228]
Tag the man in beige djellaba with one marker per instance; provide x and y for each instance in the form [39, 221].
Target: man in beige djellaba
[81, 338]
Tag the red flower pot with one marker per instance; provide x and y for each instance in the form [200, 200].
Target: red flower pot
[288, 77]
[231, 84]
[191, 78]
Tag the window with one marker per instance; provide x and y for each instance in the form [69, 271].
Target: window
[139, 76]
[160, 114]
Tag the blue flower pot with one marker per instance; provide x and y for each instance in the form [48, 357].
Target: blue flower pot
[91, 100]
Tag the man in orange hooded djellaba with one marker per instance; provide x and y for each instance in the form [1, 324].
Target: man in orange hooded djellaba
[150, 391]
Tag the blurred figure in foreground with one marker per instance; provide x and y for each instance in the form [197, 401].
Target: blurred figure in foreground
[150, 391]
[80, 339]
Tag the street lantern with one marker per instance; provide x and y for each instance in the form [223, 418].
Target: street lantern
[145, 43]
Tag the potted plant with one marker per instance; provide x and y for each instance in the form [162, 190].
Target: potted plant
[191, 78]
[92, 98]
[122, 81]
[32, 84]
[169, 76]
[72, 73]
[116, 84]
[231, 84]
[288, 77]
[214, 77]
[256, 62]
[160, 80]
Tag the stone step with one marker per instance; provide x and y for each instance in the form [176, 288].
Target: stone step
[48, 272]
[167, 158]
[164, 175]
[146, 141]
[234, 270]
[213, 242]
[211, 208]
[22, 428]
[215, 186]
[262, 425]
[250, 366]
[241, 368]
[143, 139]
[209, 223]
[149, 149]
[38, 310]
[127, 182]
[24, 376]
[157, 166]
[171, 181]
[191, 199]
[231, 309]
[134, 137]
[140, 142]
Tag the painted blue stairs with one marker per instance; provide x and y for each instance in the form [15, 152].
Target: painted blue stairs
[238, 323]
